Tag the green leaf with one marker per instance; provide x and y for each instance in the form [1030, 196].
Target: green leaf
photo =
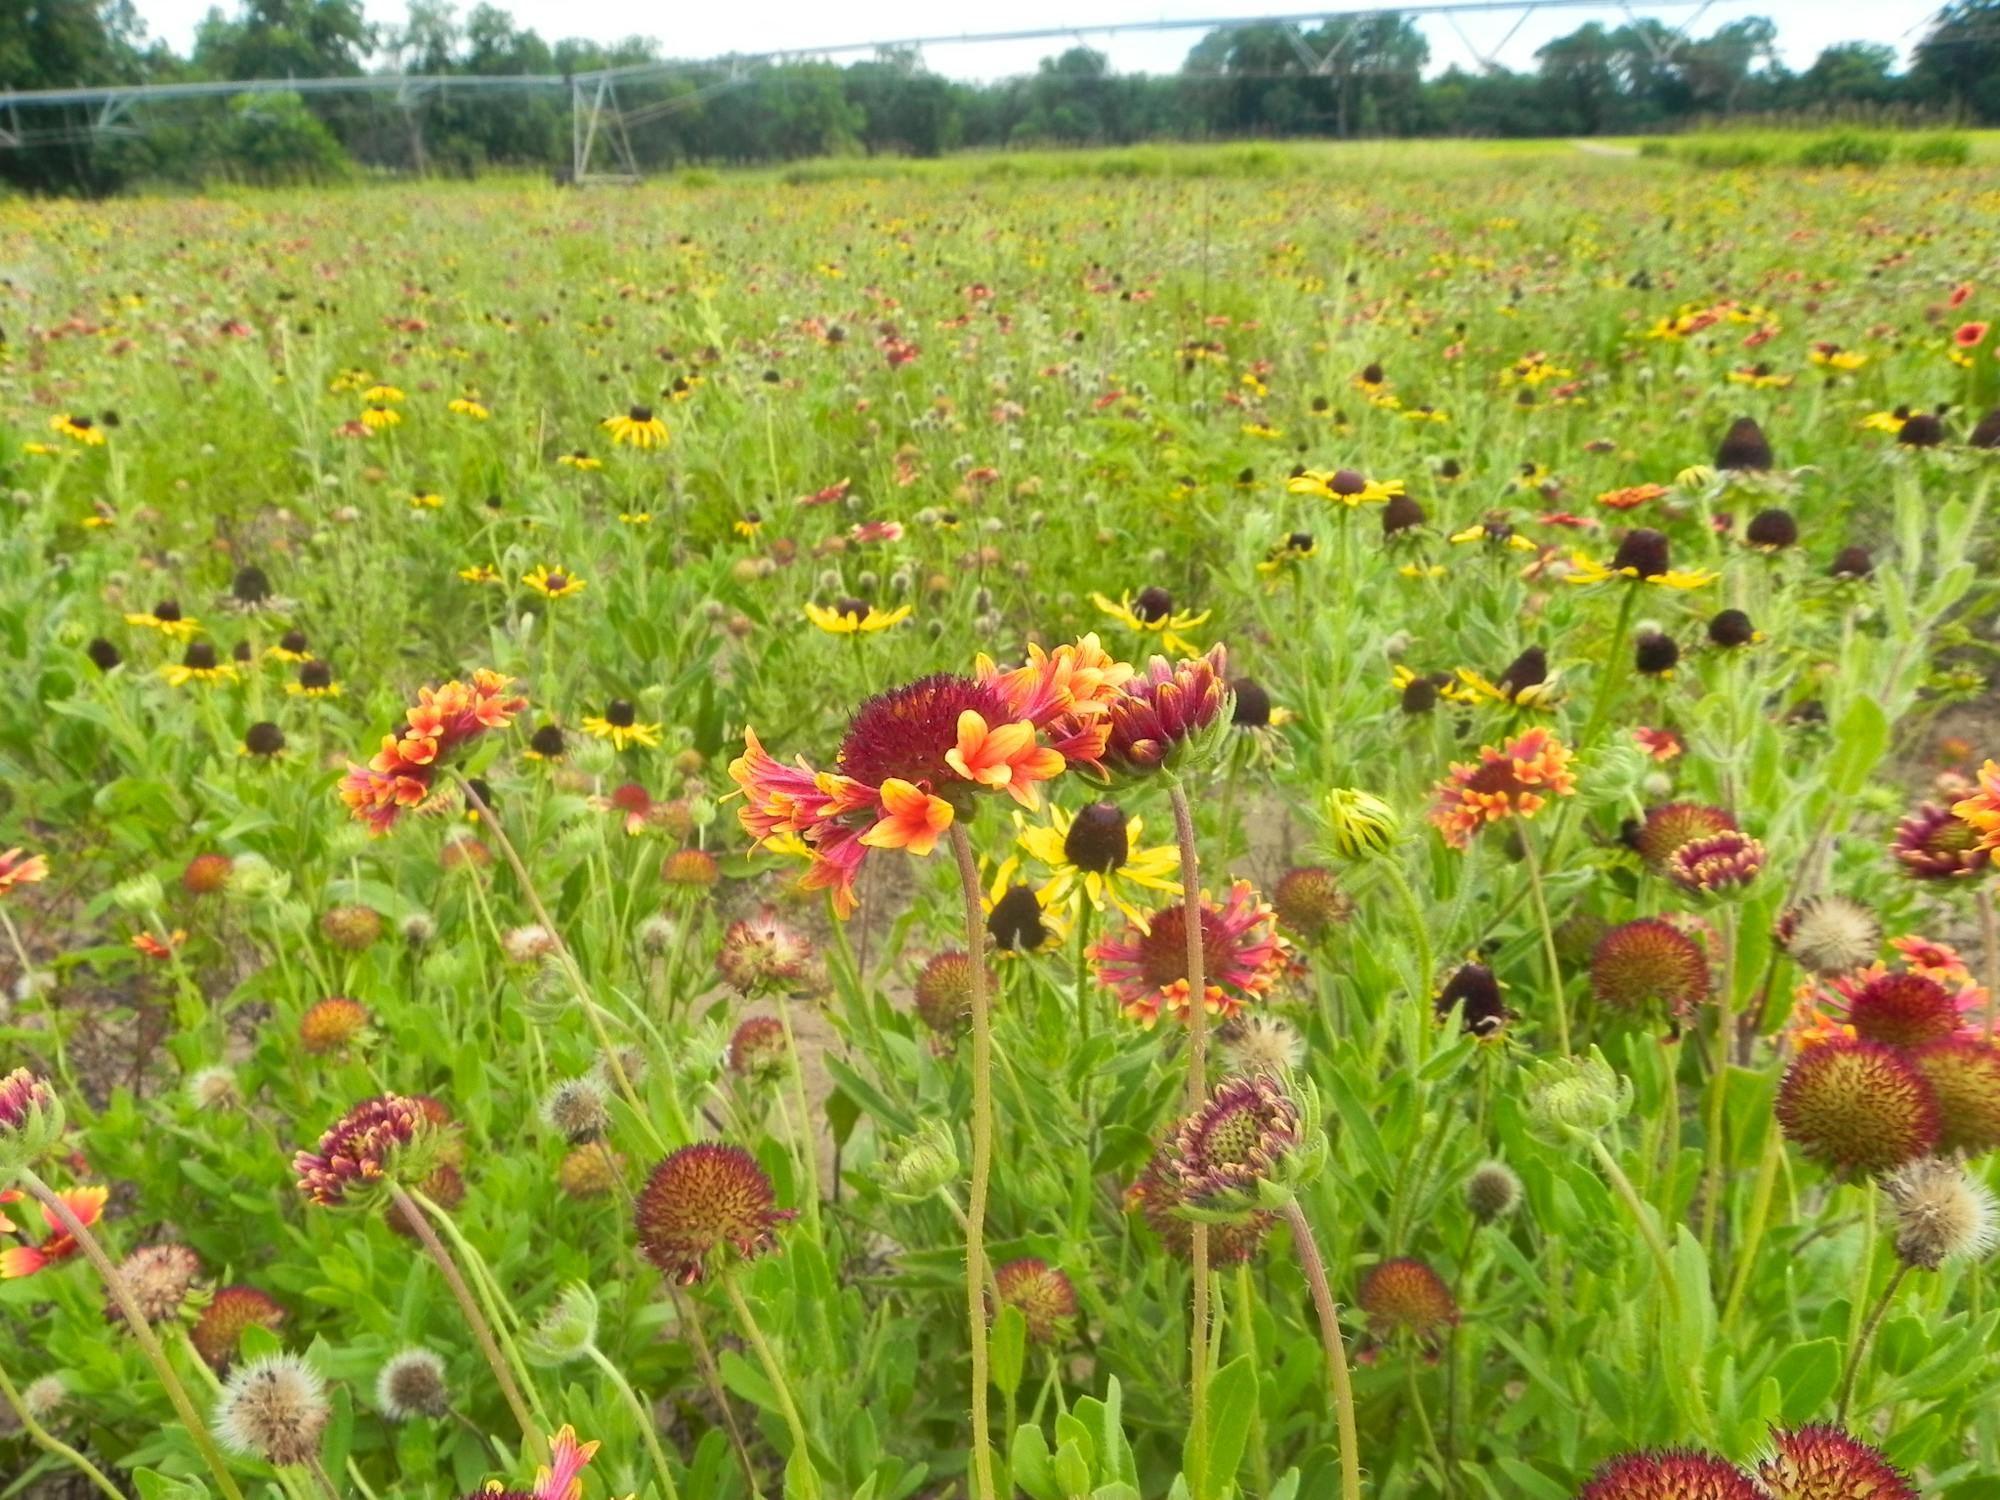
[154, 1485]
[1009, 1347]
[1028, 1456]
[1232, 1402]
[1532, 1484]
[1859, 743]
[1807, 1375]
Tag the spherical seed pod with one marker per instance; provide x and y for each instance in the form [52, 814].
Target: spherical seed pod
[1857, 1107]
[412, 1384]
[273, 1408]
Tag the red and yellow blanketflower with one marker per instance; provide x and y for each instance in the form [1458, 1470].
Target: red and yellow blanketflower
[87, 1203]
[442, 722]
[1516, 780]
[357, 1152]
[702, 1204]
[1981, 810]
[1145, 964]
[20, 868]
[915, 756]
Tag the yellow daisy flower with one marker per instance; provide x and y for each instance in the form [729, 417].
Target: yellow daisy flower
[553, 583]
[855, 617]
[480, 573]
[375, 418]
[637, 427]
[382, 395]
[620, 725]
[635, 517]
[467, 406]
[1348, 486]
[426, 500]
[168, 620]
[576, 458]
[1494, 532]
[1151, 612]
[199, 665]
[78, 429]
[1095, 855]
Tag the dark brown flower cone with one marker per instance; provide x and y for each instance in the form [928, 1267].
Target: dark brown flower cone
[1744, 447]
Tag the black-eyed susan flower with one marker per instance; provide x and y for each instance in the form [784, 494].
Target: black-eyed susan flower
[635, 518]
[263, 740]
[426, 500]
[1494, 531]
[382, 395]
[1526, 683]
[468, 406]
[578, 458]
[636, 427]
[1283, 558]
[553, 583]
[620, 725]
[166, 617]
[855, 617]
[315, 680]
[1151, 612]
[1643, 556]
[749, 524]
[480, 573]
[377, 418]
[1349, 487]
[291, 647]
[199, 665]
[1095, 854]
[78, 429]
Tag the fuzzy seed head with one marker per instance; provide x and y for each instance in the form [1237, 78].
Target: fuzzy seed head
[577, 1109]
[1262, 1044]
[1492, 1191]
[587, 1172]
[160, 1278]
[1942, 1213]
[1044, 1296]
[943, 994]
[351, 928]
[412, 1384]
[1831, 935]
[273, 1408]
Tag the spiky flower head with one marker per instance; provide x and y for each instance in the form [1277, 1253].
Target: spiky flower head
[589, 1171]
[1146, 964]
[31, 1119]
[1722, 864]
[351, 928]
[160, 1278]
[1577, 1094]
[1515, 780]
[218, 1332]
[1262, 1044]
[1172, 716]
[943, 993]
[274, 1408]
[1857, 1107]
[566, 1331]
[1309, 902]
[1649, 962]
[1250, 1147]
[1157, 1196]
[411, 1383]
[757, 1049]
[1942, 1212]
[1677, 1475]
[333, 1025]
[922, 1163]
[1473, 990]
[364, 1146]
[1359, 824]
[1673, 824]
[205, 874]
[690, 870]
[1964, 1075]
[1492, 1191]
[763, 955]
[1935, 843]
[1043, 1295]
[577, 1109]
[705, 1202]
[1903, 1010]
[1831, 934]
[1406, 1296]
[1824, 1463]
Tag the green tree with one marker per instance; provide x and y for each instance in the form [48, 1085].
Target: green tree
[1958, 61]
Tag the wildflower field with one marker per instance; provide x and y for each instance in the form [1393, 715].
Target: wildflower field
[1247, 824]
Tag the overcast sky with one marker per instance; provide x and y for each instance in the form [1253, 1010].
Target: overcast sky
[1804, 26]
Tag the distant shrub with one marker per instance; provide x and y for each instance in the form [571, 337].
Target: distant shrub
[1655, 149]
[1725, 153]
[696, 177]
[1845, 148]
[1938, 151]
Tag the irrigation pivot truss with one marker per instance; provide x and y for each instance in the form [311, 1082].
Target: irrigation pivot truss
[600, 143]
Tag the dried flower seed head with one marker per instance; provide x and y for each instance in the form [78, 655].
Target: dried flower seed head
[1043, 1295]
[273, 1408]
[43, 1398]
[263, 739]
[763, 955]
[332, 1025]
[103, 655]
[590, 1171]
[1903, 1010]
[1964, 1076]
[1474, 991]
[703, 1202]
[218, 1332]
[250, 586]
[1401, 513]
[1824, 1463]
[690, 870]
[943, 993]
[577, 1109]
[1673, 824]
[214, 1088]
[528, 944]
[757, 1049]
[1097, 842]
[351, 928]
[412, 1384]
[1648, 962]
[1676, 1475]
[1831, 935]
[1492, 1191]
[160, 1278]
[1262, 1044]
[1310, 903]
[1942, 1213]
[1744, 448]
[1407, 1296]
[1857, 1107]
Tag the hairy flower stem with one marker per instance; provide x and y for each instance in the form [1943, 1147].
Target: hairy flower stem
[1617, 665]
[142, 1331]
[569, 965]
[1862, 1341]
[322, 1481]
[808, 1147]
[807, 1487]
[982, 1160]
[642, 1414]
[1548, 938]
[1197, 1093]
[420, 1224]
[704, 1356]
[49, 1443]
[1718, 1086]
[1989, 937]
[1336, 1349]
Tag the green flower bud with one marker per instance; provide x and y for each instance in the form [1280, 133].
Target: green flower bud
[1577, 1094]
[923, 1163]
[31, 1121]
[142, 893]
[566, 1330]
[1359, 824]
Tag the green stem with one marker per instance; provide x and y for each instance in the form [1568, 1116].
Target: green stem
[1862, 1340]
[1548, 938]
[690, 1316]
[808, 1147]
[322, 1481]
[1725, 1025]
[1420, 933]
[808, 1488]
[1336, 1350]
[1616, 666]
[1197, 1093]
[1246, 1333]
[642, 1414]
[142, 1331]
[1753, 1231]
[49, 1443]
[982, 1160]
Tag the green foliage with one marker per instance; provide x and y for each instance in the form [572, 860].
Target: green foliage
[274, 140]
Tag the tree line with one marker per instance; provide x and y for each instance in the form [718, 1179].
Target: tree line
[1348, 77]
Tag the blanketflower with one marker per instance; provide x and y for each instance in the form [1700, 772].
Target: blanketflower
[357, 1151]
[915, 756]
[1145, 965]
[1515, 780]
[19, 868]
[1171, 713]
[561, 1478]
[444, 719]
[87, 1203]
[1981, 810]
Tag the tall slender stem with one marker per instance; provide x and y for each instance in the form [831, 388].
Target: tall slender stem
[420, 1224]
[1863, 1339]
[1419, 930]
[49, 1443]
[1753, 1230]
[322, 1481]
[1989, 935]
[808, 1146]
[982, 1160]
[642, 1414]
[808, 1487]
[1549, 956]
[712, 1377]
[1616, 665]
[1718, 1084]
[142, 1331]
[1246, 1333]
[1197, 1092]
[1336, 1350]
